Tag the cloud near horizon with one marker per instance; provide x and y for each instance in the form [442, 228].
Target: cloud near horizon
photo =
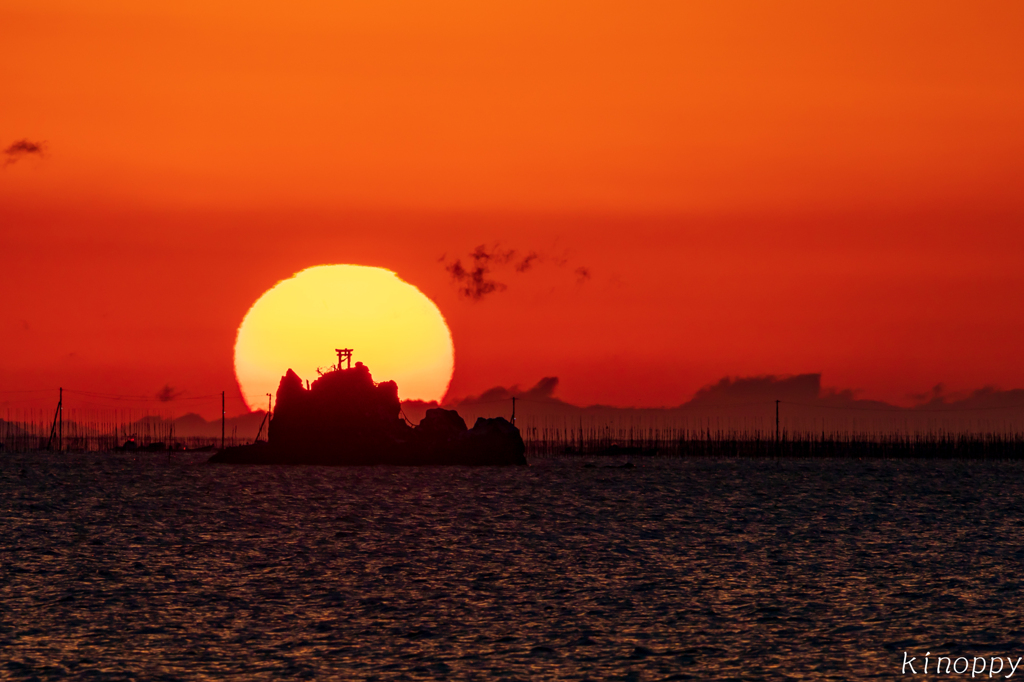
[542, 391]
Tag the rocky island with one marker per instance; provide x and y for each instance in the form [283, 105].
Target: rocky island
[344, 418]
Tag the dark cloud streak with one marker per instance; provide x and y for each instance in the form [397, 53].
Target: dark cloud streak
[19, 149]
[474, 283]
[527, 262]
[476, 280]
[167, 394]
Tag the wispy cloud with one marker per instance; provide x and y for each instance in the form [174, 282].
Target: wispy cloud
[167, 394]
[527, 262]
[476, 279]
[474, 282]
[19, 149]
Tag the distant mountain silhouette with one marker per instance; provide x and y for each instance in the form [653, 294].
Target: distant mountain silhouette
[192, 425]
[747, 404]
[345, 418]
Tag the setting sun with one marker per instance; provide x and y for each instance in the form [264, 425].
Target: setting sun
[392, 326]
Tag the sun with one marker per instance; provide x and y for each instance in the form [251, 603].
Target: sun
[391, 325]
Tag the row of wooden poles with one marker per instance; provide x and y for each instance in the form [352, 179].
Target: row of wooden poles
[102, 435]
[25, 436]
[686, 442]
[104, 430]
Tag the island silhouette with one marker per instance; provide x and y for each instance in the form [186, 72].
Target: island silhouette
[344, 418]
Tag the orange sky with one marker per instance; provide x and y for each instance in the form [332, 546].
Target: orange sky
[753, 188]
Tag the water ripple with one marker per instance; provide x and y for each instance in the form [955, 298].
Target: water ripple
[116, 567]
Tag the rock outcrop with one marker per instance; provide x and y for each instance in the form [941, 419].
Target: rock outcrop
[344, 418]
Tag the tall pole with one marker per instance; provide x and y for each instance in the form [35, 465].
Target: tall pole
[223, 411]
[60, 410]
[513, 410]
[56, 421]
[777, 421]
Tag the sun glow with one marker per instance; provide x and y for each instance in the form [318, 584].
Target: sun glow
[392, 326]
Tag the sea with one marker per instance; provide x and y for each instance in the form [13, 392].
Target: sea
[162, 567]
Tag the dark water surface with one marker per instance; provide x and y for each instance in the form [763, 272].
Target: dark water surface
[113, 567]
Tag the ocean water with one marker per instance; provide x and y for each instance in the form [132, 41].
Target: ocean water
[136, 567]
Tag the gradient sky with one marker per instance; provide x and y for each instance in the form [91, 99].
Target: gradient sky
[713, 189]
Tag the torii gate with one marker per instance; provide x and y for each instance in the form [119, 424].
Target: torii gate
[346, 355]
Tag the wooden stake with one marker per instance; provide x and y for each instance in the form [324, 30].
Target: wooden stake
[777, 421]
